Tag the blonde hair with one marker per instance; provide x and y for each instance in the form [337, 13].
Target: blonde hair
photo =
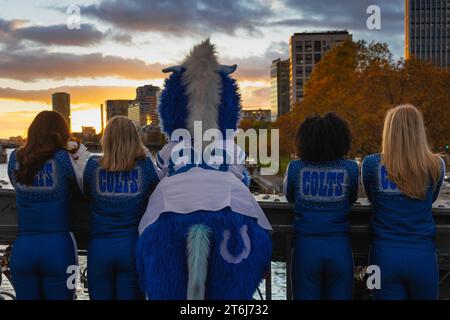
[121, 145]
[406, 155]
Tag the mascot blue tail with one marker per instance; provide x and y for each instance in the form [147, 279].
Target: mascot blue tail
[198, 247]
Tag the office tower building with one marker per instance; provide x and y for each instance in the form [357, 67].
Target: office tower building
[61, 104]
[102, 119]
[147, 97]
[256, 114]
[279, 88]
[134, 113]
[427, 31]
[307, 49]
[117, 108]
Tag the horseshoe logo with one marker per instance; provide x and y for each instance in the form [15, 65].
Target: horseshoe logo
[226, 255]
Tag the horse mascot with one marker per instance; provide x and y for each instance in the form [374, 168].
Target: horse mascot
[203, 235]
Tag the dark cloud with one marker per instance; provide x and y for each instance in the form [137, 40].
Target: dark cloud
[258, 67]
[20, 59]
[345, 14]
[351, 15]
[6, 39]
[261, 93]
[60, 35]
[35, 65]
[5, 29]
[8, 25]
[32, 65]
[120, 37]
[5, 26]
[181, 16]
[13, 34]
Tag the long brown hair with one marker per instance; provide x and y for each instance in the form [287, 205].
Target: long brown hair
[47, 133]
[121, 145]
[406, 155]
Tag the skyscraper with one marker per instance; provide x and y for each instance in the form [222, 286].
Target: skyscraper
[427, 31]
[134, 113]
[102, 118]
[256, 114]
[279, 88]
[147, 98]
[307, 49]
[117, 108]
[61, 104]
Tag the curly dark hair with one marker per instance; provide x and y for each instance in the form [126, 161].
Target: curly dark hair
[325, 138]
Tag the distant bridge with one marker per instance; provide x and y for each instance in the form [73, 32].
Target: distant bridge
[8, 145]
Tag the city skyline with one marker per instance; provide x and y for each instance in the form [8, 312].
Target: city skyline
[121, 46]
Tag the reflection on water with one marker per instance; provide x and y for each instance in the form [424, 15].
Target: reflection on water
[4, 180]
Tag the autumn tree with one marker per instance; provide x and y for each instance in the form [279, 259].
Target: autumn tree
[360, 82]
[428, 88]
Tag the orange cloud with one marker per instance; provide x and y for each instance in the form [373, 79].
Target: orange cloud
[256, 97]
[88, 97]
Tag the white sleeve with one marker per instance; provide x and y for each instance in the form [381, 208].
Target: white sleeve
[79, 160]
[155, 167]
[285, 180]
[163, 158]
[238, 165]
[237, 170]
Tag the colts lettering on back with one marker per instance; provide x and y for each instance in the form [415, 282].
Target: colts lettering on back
[118, 182]
[322, 183]
[44, 177]
[385, 183]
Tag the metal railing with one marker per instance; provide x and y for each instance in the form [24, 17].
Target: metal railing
[281, 215]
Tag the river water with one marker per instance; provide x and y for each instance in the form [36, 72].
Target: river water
[278, 268]
[4, 173]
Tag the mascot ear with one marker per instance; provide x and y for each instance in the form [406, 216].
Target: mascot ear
[227, 69]
[173, 69]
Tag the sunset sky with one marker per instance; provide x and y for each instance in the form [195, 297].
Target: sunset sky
[125, 43]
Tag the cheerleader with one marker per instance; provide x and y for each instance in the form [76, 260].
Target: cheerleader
[402, 183]
[44, 174]
[323, 185]
[118, 185]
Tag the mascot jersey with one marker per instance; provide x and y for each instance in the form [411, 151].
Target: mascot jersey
[44, 247]
[203, 235]
[403, 235]
[118, 201]
[322, 194]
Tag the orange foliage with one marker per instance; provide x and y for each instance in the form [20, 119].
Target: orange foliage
[360, 82]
